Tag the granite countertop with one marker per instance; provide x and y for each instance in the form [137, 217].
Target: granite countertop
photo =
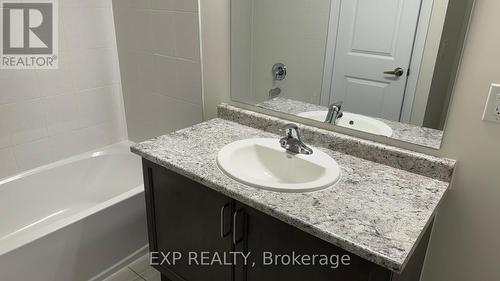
[376, 211]
[401, 131]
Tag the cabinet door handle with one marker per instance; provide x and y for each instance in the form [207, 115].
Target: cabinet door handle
[235, 227]
[223, 232]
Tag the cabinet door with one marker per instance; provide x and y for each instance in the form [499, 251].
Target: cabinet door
[258, 233]
[184, 216]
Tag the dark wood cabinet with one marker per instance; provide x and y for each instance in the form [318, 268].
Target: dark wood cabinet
[275, 244]
[185, 216]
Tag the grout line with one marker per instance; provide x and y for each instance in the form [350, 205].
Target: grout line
[73, 92]
[153, 53]
[177, 99]
[159, 10]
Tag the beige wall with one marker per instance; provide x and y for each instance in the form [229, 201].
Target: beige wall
[466, 241]
[214, 17]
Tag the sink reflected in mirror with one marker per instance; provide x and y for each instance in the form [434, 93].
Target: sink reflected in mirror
[353, 121]
[264, 164]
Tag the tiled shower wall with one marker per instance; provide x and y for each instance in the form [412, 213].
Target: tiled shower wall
[47, 115]
[159, 49]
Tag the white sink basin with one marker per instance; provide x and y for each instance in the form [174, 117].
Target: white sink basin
[353, 121]
[262, 163]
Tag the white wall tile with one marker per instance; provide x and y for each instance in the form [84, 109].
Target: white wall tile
[86, 3]
[139, 30]
[40, 116]
[145, 115]
[145, 67]
[187, 42]
[96, 106]
[163, 32]
[188, 77]
[180, 114]
[57, 81]
[128, 70]
[25, 121]
[95, 68]
[163, 4]
[88, 27]
[61, 113]
[66, 144]
[119, 123]
[96, 136]
[18, 85]
[33, 154]
[63, 32]
[151, 115]
[186, 5]
[178, 78]
[123, 23]
[7, 163]
[139, 4]
[165, 75]
[175, 5]
[159, 53]
[5, 140]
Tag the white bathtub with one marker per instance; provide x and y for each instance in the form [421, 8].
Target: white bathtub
[76, 219]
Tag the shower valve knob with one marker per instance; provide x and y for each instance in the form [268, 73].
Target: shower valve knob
[279, 72]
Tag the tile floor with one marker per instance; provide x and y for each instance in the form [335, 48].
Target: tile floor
[139, 270]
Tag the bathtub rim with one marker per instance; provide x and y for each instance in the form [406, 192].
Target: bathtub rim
[106, 150]
[15, 242]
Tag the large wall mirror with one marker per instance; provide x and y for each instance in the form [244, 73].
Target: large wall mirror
[384, 67]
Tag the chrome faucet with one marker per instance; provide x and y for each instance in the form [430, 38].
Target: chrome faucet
[334, 113]
[292, 142]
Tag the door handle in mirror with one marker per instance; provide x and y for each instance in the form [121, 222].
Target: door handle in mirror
[398, 72]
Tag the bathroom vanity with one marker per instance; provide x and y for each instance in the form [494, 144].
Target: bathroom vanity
[378, 216]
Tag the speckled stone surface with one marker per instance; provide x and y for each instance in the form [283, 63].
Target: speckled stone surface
[418, 163]
[401, 131]
[376, 211]
[290, 106]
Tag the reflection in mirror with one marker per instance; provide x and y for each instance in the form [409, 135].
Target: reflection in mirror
[383, 67]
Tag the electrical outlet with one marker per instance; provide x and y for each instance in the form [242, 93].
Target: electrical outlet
[497, 106]
[492, 108]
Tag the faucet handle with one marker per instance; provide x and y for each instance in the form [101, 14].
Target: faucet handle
[292, 142]
[334, 112]
[338, 105]
[289, 126]
[291, 130]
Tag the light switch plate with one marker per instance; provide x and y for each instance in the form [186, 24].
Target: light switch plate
[492, 108]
